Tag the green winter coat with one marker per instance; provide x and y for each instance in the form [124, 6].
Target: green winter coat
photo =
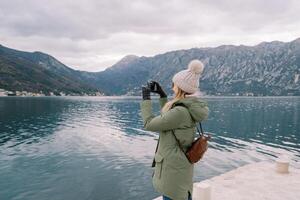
[173, 173]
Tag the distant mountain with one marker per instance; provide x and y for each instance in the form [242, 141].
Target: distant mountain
[35, 72]
[269, 68]
[119, 78]
[124, 62]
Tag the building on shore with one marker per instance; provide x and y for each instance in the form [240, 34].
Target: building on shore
[3, 92]
[10, 93]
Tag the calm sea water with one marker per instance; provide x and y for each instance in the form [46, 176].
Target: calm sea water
[79, 148]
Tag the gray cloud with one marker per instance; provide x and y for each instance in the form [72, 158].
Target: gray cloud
[91, 35]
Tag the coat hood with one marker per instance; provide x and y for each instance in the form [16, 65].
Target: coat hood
[198, 108]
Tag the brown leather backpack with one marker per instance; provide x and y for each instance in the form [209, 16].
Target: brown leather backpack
[196, 151]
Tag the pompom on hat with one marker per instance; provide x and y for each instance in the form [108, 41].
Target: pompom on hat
[188, 80]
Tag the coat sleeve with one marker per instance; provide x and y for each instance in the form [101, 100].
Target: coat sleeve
[167, 121]
[162, 102]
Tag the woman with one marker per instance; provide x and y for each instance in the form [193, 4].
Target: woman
[173, 173]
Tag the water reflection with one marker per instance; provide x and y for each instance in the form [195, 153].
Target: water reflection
[95, 148]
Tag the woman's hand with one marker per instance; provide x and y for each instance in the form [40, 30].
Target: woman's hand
[146, 93]
[156, 88]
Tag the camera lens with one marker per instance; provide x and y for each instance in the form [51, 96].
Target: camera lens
[151, 85]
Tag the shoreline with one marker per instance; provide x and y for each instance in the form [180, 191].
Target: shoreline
[157, 97]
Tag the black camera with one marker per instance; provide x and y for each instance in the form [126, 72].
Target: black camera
[153, 86]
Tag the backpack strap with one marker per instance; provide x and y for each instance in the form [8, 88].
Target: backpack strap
[173, 132]
[153, 162]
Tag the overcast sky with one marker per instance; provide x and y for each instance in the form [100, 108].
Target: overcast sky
[92, 35]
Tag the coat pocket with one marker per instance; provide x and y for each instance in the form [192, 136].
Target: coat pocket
[158, 166]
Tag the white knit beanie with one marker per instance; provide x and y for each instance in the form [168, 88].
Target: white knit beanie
[188, 80]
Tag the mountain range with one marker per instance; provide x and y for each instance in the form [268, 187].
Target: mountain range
[269, 68]
[37, 71]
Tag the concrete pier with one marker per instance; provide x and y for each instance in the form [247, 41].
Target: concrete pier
[257, 181]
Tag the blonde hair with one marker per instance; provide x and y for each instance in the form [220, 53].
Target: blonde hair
[179, 95]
